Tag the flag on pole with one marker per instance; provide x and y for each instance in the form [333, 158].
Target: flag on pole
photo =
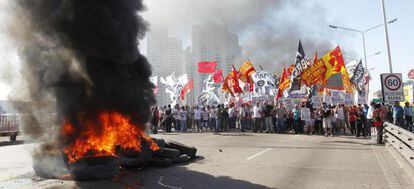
[336, 76]
[283, 83]
[231, 83]
[187, 88]
[300, 64]
[358, 76]
[246, 70]
[206, 67]
[218, 76]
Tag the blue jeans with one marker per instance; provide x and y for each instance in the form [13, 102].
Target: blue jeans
[281, 125]
[219, 121]
[183, 126]
[212, 123]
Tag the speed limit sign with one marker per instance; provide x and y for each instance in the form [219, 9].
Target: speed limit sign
[392, 87]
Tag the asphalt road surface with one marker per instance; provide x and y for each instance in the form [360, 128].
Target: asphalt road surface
[234, 160]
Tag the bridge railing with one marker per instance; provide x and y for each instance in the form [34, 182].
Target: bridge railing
[401, 139]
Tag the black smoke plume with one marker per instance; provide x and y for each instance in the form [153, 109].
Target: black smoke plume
[82, 56]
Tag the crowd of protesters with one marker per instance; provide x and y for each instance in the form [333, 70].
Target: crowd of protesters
[327, 120]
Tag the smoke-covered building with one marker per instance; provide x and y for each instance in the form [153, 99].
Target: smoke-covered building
[157, 54]
[212, 42]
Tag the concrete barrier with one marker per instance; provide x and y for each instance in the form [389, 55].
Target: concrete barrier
[401, 139]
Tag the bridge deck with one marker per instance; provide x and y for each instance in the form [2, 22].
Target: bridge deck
[248, 160]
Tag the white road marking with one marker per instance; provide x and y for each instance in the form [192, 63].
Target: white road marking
[167, 186]
[258, 154]
[296, 136]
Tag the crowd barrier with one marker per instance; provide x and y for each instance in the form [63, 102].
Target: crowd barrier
[401, 139]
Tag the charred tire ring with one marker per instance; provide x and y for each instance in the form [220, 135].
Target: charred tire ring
[95, 168]
[160, 162]
[190, 151]
[169, 153]
[182, 159]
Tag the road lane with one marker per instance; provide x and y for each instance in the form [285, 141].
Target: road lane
[276, 161]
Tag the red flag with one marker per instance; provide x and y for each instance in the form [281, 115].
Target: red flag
[206, 67]
[236, 86]
[218, 76]
[284, 83]
[187, 88]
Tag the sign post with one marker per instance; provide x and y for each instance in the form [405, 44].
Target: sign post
[392, 87]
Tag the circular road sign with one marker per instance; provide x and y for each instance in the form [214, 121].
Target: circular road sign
[392, 82]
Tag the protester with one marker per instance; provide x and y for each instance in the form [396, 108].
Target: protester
[353, 119]
[297, 122]
[408, 115]
[361, 119]
[204, 119]
[327, 124]
[318, 121]
[232, 116]
[168, 119]
[340, 117]
[177, 117]
[183, 115]
[213, 119]
[268, 118]
[398, 114]
[257, 118]
[242, 118]
[378, 122]
[281, 115]
[197, 119]
[155, 120]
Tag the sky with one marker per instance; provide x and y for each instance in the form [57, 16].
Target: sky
[357, 14]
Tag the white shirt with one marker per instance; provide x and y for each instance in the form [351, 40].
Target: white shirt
[370, 112]
[231, 112]
[242, 113]
[213, 114]
[183, 115]
[197, 114]
[340, 113]
[256, 112]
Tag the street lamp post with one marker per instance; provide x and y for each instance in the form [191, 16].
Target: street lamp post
[363, 33]
[387, 41]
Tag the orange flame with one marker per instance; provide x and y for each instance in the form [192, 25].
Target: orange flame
[100, 137]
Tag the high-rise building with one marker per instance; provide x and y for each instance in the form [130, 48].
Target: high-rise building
[157, 53]
[175, 57]
[212, 42]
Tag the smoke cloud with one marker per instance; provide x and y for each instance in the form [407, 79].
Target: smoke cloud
[269, 30]
[79, 57]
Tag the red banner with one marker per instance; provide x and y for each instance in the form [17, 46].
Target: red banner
[206, 67]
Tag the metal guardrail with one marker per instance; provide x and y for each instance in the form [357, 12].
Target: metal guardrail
[401, 139]
[11, 124]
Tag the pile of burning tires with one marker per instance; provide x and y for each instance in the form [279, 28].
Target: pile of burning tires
[106, 167]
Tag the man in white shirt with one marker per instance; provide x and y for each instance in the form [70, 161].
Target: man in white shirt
[340, 117]
[242, 117]
[257, 118]
[197, 118]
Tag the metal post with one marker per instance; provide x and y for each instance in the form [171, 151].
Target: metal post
[387, 41]
[366, 65]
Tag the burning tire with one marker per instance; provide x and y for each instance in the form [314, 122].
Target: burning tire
[160, 162]
[169, 153]
[181, 159]
[130, 158]
[95, 168]
[189, 151]
[49, 165]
